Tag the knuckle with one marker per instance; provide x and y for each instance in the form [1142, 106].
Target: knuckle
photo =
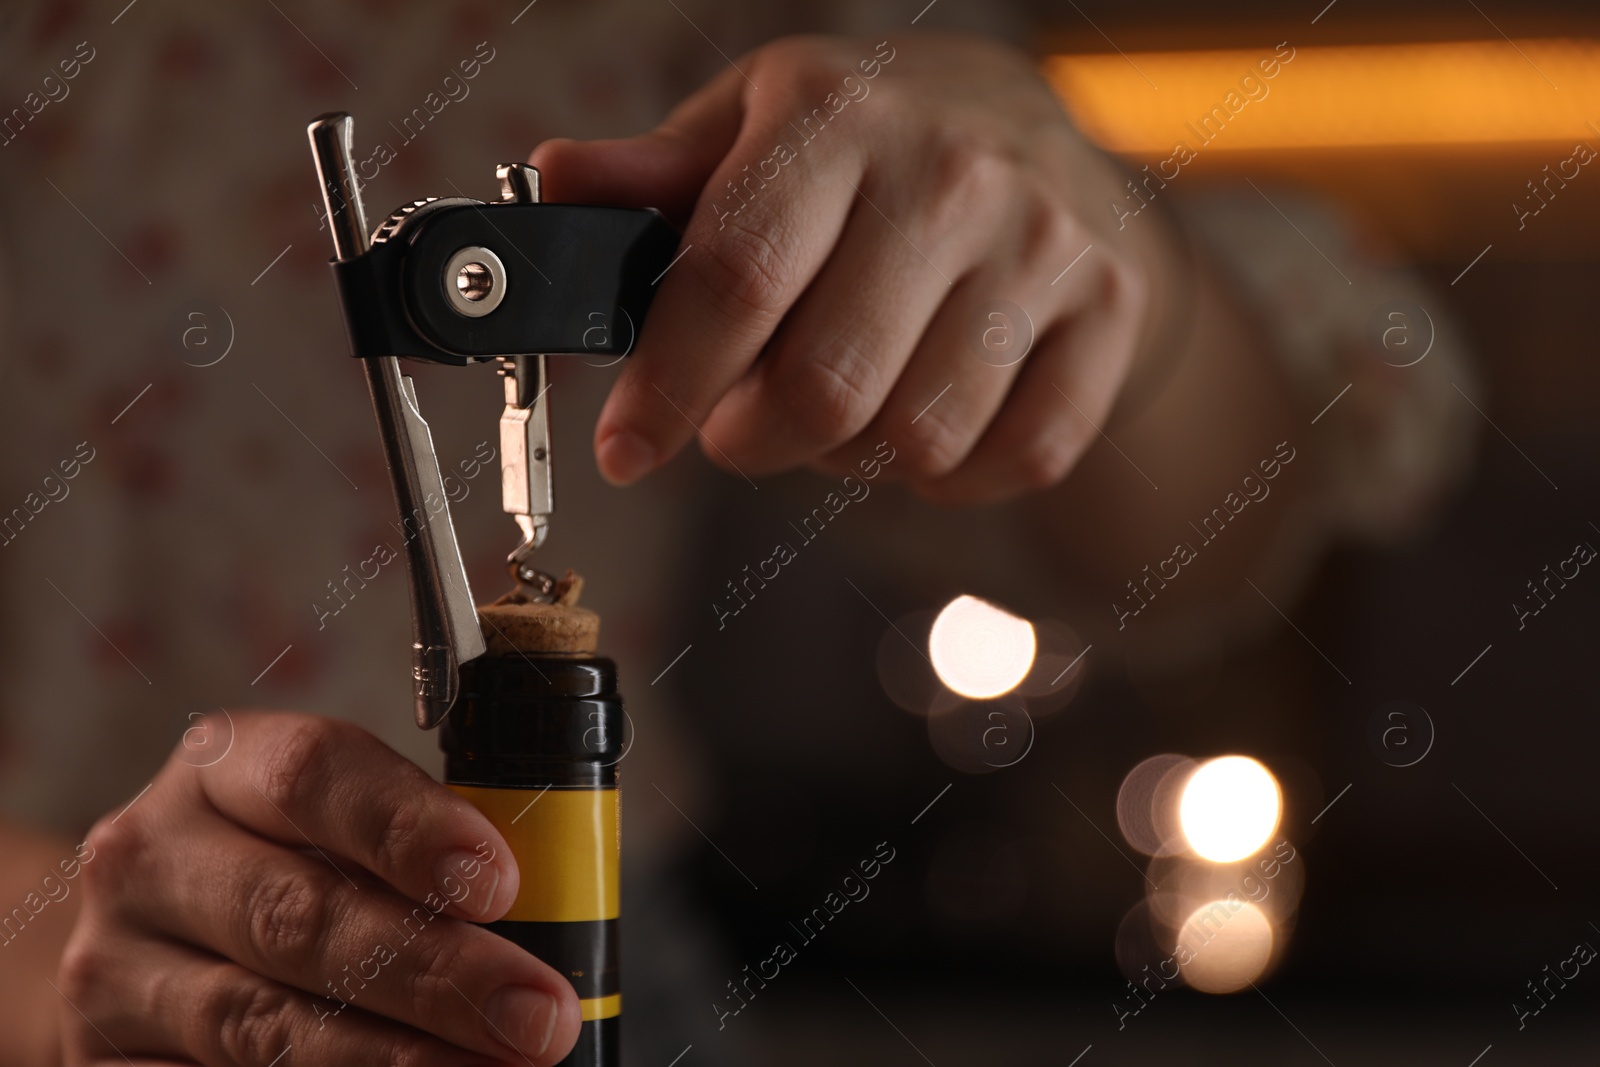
[1045, 460]
[404, 1051]
[831, 397]
[292, 769]
[402, 828]
[967, 179]
[748, 273]
[1126, 288]
[249, 1018]
[438, 960]
[114, 843]
[933, 446]
[287, 916]
[1052, 233]
[82, 967]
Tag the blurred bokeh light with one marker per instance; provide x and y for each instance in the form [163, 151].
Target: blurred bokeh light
[979, 650]
[1230, 807]
[1224, 946]
[1147, 803]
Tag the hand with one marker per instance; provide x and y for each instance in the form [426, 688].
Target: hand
[307, 889]
[845, 225]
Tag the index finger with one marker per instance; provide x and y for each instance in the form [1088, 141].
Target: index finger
[306, 781]
[760, 232]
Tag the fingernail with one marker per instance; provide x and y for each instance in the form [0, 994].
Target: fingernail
[625, 457]
[524, 1016]
[468, 883]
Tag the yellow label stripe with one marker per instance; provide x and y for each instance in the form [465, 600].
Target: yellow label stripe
[601, 1007]
[565, 845]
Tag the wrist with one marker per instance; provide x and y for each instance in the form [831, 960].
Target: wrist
[1163, 253]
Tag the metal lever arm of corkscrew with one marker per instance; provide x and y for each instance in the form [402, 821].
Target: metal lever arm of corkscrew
[445, 630]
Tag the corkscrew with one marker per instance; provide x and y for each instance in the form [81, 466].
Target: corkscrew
[459, 281]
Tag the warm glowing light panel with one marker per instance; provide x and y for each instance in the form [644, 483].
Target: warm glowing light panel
[1447, 93]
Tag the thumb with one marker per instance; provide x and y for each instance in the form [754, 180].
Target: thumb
[665, 169]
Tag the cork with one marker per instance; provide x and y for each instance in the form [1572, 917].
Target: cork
[513, 624]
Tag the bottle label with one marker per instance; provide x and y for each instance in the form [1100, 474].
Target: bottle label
[565, 842]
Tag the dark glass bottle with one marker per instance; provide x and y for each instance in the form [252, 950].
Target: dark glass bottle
[533, 741]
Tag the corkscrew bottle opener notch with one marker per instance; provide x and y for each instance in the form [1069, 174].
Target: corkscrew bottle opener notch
[460, 281]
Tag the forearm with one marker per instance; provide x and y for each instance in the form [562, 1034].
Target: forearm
[39, 908]
[1208, 402]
